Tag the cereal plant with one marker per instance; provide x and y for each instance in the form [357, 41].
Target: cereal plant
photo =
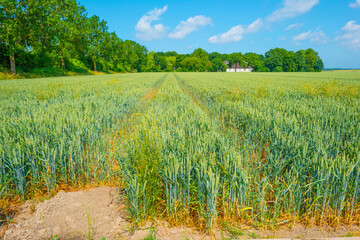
[193, 148]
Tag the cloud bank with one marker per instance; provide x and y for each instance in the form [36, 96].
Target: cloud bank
[145, 31]
[236, 33]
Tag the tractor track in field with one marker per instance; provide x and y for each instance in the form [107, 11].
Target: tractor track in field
[141, 103]
[223, 123]
[204, 105]
[154, 90]
[190, 92]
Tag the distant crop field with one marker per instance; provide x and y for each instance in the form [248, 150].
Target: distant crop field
[198, 148]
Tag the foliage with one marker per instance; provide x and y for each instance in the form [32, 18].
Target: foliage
[218, 65]
[46, 34]
[47, 71]
[76, 65]
[58, 36]
[279, 60]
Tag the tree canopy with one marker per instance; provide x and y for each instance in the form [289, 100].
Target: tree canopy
[57, 36]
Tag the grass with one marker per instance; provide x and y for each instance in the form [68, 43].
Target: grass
[253, 235]
[199, 149]
[233, 231]
[353, 234]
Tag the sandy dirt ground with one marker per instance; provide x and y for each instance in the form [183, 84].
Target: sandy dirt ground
[99, 213]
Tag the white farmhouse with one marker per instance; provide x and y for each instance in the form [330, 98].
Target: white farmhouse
[237, 68]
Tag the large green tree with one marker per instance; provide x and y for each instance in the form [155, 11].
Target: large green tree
[256, 61]
[191, 64]
[113, 50]
[96, 37]
[66, 24]
[288, 62]
[218, 65]
[300, 60]
[58, 34]
[235, 58]
[17, 24]
[319, 65]
[274, 59]
[203, 58]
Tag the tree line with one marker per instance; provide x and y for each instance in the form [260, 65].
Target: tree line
[274, 60]
[56, 36]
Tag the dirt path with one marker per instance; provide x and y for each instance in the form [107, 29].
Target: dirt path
[71, 215]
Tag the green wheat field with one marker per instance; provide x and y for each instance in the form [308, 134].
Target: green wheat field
[195, 148]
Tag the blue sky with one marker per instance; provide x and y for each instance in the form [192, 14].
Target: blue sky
[331, 27]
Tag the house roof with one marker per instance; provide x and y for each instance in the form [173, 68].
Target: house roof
[237, 66]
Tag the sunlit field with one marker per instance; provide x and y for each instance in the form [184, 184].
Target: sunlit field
[193, 148]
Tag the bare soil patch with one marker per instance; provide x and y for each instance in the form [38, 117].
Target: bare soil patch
[70, 216]
[99, 210]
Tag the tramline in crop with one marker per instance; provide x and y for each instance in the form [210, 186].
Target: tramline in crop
[194, 148]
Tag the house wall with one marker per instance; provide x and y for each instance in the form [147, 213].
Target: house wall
[238, 70]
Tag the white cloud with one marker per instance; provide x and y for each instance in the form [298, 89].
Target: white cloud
[190, 25]
[291, 9]
[236, 33]
[145, 31]
[350, 36]
[255, 26]
[294, 26]
[313, 36]
[355, 4]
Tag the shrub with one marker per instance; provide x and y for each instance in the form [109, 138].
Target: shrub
[47, 72]
[278, 69]
[75, 65]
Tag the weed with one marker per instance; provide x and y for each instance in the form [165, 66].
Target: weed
[90, 224]
[253, 235]
[151, 235]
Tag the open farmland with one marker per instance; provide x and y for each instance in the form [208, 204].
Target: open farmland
[197, 148]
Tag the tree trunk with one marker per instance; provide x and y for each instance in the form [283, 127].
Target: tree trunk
[95, 68]
[12, 63]
[63, 64]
